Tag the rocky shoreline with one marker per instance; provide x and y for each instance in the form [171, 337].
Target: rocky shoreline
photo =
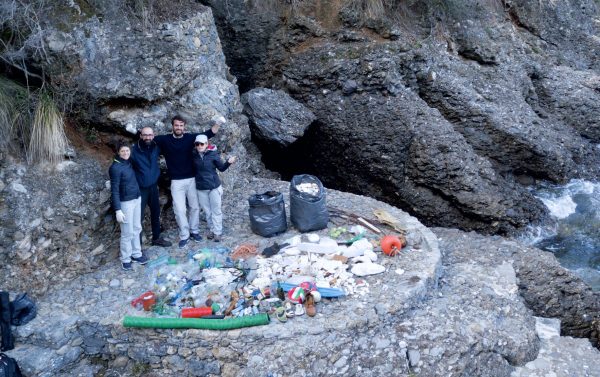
[455, 309]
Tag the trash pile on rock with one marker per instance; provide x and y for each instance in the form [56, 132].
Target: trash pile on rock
[284, 280]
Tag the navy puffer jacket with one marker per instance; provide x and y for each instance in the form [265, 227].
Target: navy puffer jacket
[205, 165]
[144, 159]
[123, 184]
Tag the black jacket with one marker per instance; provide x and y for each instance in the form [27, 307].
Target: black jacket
[205, 165]
[178, 153]
[145, 163]
[123, 184]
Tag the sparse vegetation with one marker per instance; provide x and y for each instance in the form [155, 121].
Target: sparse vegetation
[48, 141]
[31, 122]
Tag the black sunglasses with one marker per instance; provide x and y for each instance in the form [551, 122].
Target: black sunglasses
[199, 143]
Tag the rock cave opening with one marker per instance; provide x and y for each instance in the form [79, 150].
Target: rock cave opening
[296, 158]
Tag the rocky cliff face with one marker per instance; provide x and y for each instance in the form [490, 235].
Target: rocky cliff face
[117, 72]
[435, 107]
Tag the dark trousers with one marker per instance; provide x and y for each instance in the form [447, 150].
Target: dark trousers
[150, 197]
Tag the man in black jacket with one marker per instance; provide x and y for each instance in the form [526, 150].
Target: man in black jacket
[144, 158]
[177, 148]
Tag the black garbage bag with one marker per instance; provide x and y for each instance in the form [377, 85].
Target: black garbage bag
[8, 340]
[308, 204]
[267, 213]
[23, 310]
[9, 367]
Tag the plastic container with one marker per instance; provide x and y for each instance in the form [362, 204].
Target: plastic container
[196, 312]
[146, 301]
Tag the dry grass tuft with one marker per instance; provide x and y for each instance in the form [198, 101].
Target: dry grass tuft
[48, 141]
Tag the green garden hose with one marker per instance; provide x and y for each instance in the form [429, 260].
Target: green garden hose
[197, 323]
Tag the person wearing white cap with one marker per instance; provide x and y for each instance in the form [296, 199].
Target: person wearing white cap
[208, 185]
[177, 149]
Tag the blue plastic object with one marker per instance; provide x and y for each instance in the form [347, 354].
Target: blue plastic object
[324, 291]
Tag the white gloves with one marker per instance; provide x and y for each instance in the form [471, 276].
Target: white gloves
[120, 216]
[232, 159]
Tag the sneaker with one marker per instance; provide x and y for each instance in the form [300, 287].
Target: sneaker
[210, 235]
[126, 266]
[196, 237]
[161, 242]
[217, 238]
[141, 260]
[182, 243]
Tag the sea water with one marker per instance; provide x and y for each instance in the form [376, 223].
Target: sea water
[573, 234]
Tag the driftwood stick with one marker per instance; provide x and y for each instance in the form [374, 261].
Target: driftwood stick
[369, 225]
[355, 218]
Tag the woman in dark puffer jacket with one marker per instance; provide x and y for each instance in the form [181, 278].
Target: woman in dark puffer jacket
[208, 185]
[126, 201]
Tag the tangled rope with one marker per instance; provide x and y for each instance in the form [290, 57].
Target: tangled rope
[244, 251]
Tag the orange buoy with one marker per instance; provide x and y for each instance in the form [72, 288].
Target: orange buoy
[391, 245]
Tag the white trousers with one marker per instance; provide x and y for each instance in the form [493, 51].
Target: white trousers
[130, 230]
[187, 221]
[210, 200]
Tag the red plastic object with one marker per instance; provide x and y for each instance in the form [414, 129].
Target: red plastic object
[391, 245]
[202, 311]
[146, 300]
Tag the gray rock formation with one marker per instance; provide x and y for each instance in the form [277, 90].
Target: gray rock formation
[487, 91]
[55, 223]
[547, 288]
[570, 356]
[275, 118]
[135, 76]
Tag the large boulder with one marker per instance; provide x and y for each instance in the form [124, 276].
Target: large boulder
[275, 117]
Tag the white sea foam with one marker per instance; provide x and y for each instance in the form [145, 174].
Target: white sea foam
[560, 207]
[559, 200]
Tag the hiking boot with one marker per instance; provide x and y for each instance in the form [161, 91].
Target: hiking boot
[210, 235]
[126, 266]
[196, 237]
[182, 243]
[217, 238]
[161, 242]
[141, 260]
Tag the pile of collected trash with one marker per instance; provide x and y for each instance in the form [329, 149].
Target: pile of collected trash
[284, 280]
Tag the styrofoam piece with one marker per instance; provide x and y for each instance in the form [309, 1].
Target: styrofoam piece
[363, 243]
[261, 282]
[291, 250]
[313, 237]
[293, 241]
[365, 269]
[297, 279]
[315, 248]
[352, 251]
[328, 241]
[371, 255]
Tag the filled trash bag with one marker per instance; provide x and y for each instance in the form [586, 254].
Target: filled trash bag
[267, 213]
[8, 339]
[23, 310]
[308, 204]
[9, 366]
